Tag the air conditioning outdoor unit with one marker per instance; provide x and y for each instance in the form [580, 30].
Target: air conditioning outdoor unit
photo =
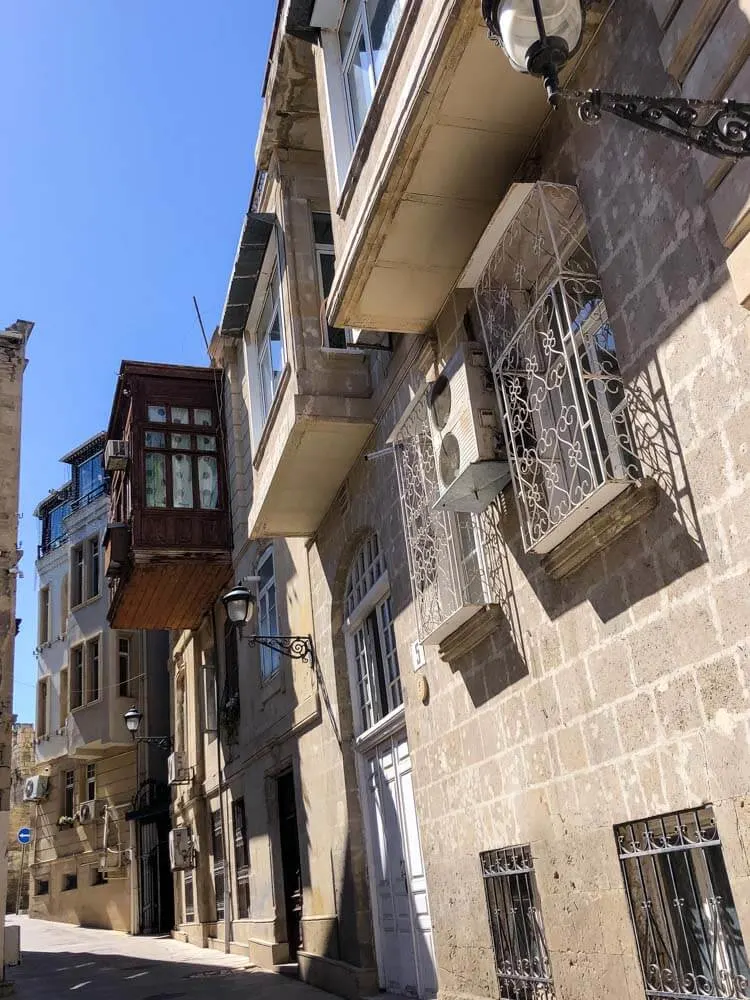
[181, 854]
[116, 456]
[36, 788]
[465, 433]
[178, 771]
[91, 810]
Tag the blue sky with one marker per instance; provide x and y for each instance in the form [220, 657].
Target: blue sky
[129, 128]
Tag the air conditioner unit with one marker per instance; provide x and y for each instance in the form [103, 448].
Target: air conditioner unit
[465, 428]
[116, 456]
[91, 810]
[36, 788]
[181, 855]
[178, 771]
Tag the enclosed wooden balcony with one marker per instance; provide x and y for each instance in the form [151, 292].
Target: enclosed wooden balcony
[167, 547]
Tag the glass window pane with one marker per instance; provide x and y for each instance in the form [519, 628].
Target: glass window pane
[265, 571]
[90, 475]
[359, 84]
[180, 441]
[157, 414]
[382, 19]
[180, 415]
[155, 439]
[156, 480]
[208, 482]
[323, 229]
[206, 443]
[182, 481]
[327, 270]
[203, 418]
[351, 10]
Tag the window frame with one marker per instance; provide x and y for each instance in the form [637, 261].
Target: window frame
[241, 858]
[170, 428]
[218, 860]
[269, 660]
[95, 490]
[44, 612]
[90, 782]
[38, 883]
[43, 706]
[77, 668]
[69, 882]
[263, 342]
[85, 572]
[188, 881]
[124, 688]
[93, 646]
[64, 695]
[320, 250]
[68, 790]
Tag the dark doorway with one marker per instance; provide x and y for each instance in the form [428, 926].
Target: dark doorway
[290, 862]
[156, 892]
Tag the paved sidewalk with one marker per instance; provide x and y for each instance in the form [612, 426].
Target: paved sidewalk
[72, 962]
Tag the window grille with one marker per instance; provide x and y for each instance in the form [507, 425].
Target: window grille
[686, 926]
[455, 559]
[187, 878]
[553, 357]
[521, 955]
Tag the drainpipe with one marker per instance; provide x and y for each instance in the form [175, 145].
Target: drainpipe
[222, 805]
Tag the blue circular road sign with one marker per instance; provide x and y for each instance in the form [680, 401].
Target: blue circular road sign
[24, 835]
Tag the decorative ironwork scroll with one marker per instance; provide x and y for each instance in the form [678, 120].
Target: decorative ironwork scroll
[552, 352]
[686, 925]
[296, 647]
[721, 128]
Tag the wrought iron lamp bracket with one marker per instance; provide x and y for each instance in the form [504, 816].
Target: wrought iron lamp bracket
[165, 743]
[720, 128]
[296, 647]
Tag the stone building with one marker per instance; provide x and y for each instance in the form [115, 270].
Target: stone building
[13, 361]
[485, 393]
[92, 861]
[22, 766]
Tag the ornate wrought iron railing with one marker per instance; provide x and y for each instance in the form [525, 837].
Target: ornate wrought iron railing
[521, 954]
[687, 930]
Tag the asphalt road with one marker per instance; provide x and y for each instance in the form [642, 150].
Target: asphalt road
[72, 962]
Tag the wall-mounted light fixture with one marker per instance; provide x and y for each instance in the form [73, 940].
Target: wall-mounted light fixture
[239, 604]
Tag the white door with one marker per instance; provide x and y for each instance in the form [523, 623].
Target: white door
[403, 915]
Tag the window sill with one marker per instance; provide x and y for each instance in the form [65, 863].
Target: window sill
[271, 416]
[363, 144]
[86, 603]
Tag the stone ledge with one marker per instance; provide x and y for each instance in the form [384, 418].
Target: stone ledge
[738, 263]
[601, 530]
[471, 633]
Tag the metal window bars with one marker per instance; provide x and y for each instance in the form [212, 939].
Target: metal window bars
[552, 353]
[686, 925]
[521, 954]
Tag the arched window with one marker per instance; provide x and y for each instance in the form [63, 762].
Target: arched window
[375, 678]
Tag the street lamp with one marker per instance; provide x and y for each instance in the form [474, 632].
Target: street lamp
[540, 36]
[133, 718]
[239, 604]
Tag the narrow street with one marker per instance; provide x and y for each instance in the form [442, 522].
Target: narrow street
[60, 960]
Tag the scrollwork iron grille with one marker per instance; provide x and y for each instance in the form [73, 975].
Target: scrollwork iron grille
[521, 955]
[552, 352]
[446, 551]
[686, 925]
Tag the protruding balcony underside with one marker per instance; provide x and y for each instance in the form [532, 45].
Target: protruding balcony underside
[168, 591]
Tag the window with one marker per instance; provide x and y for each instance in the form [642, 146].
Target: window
[64, 604]
[187, 884]
[241, 859]
[90, 781]
[271, 353]
[218, 854]
[686, 925]
[561, 395]
[97, 877]
[42, 887]
[84, 571]
[230, 695]
[325, 257]
[76, 677]
[69, 791]
[375, 668]
[64, 702]
[123, 666]
[53, 527]
[44, 616]
[521, 956]
[89, 477]
[209, 693]
[268, 624]
[366, 33]
[93, 679]
[69, 881]
[181, 463]
[42, 713]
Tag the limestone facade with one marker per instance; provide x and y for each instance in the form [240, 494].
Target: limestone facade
[13, 360]
[600, 684]
[23, 765]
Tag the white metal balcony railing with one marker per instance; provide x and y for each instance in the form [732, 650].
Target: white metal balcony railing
[552, 352]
